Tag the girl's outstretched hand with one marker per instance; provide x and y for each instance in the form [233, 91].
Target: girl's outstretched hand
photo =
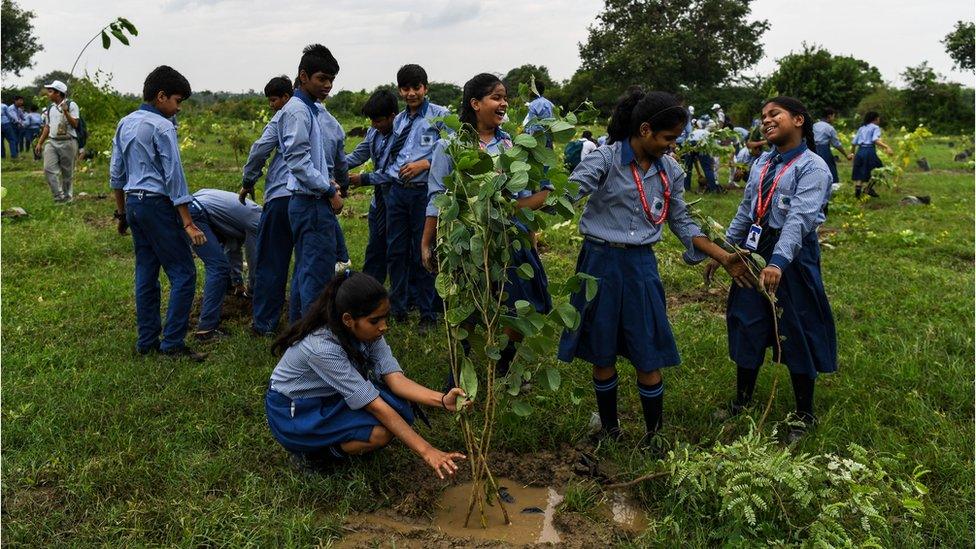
[451, 398]
[736, 267]
[442, 462]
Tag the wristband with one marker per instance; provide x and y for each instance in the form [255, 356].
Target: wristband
[443, 404]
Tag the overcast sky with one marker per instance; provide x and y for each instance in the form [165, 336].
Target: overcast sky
[236, 45]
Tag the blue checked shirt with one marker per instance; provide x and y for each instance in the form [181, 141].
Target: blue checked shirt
[302, 145]
[277, 179]
[235, 224]
[146, 156]
[614, 212]
[421, 141]
[867, 134]
[334, 138]
[796, 208]
[317, 366]
[539, 108]
[823, 132]
[375, 146]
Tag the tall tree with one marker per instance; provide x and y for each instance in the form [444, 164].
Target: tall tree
[940, 105]
[960, 43]
[821, 79]
[17, 41]
[663, 43]
[45, 79]
[524, 74]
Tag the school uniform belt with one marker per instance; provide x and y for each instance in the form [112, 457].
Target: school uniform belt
[411, 185]
[602, 242]
[313, 196]
[144, 194]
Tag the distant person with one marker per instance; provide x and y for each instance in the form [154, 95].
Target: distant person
[59, 141]
[381, 109]
[700, 162]
[865, 144]
[338, 391]
[229, 227]
[9, 129]
[744, 160]
[719, 115]
[539, 108]
[20, 121]
[35, 121]
[589, 144]
[825, 136]
[602, 140]
[274, 242]
[151, 198]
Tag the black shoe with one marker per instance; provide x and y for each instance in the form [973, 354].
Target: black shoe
[185, 352]
[857, 192]
[210, 335]
[872, 193]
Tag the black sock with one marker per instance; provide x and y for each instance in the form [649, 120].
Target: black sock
[508, 354]
[745, 384]
[606, 402]
[652, 401]
[803, 393]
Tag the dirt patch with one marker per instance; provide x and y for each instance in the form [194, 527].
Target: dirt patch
[711, 298]
[99, 221]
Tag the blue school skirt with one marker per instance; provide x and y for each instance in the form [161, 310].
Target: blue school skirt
[806, 326]
[534, 290]
[823, 151]
[865, 161]
[320, 422]
[628, 316]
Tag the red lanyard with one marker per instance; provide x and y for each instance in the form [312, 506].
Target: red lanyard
[643, 197]
[762, 206]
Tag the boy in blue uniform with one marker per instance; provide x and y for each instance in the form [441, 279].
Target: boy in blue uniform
[415, 137]
[314, 201]
[228, 226]
[335, 158]
[152, 199]
[274, 243]
[381, 108]
[825, 136]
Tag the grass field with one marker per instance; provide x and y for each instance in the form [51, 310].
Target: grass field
[103, 447]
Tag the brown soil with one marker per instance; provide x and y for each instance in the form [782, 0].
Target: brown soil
[711, 298]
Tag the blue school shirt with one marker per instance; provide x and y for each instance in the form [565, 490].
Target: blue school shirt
[744, 157]
[685, 133]
[614, 212]
[35, 120]
[275, 183]
[867, 134]
[539, 108]
[334, 139]
[146, 156]
[824, 133]
[317, 366]
[376, 147]
[302, 146]
[3, 114]
[420, 144]
[441, 166]
[796, 207]
[235, 224]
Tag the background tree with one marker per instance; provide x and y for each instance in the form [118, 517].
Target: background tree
[942, 106]
[444, 94]
[821, 79]
[17, 41]
[960, 43]
[46, 79]
[663, 43]
[524, 74]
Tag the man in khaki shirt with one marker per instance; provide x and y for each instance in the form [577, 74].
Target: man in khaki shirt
[59, 141]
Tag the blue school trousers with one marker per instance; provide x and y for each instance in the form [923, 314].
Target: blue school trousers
[216, 268]
[313, 228]
[375, 263]
[271, 262]
[160, 241]
[10, 135]
[405, 217]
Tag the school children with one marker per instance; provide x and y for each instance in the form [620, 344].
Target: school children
[744, 160]
[825, 136]
[33, 129]
[634, 187]
[9, 132]
[483, 109]
[338, 391]
[781, 208]
[539, 108]
[865, 144]
[59, 141]
[228, 226]
[699, 161]
[314, 201]
[415, 136]
[274, 243]
[381, 109]
[152, 199]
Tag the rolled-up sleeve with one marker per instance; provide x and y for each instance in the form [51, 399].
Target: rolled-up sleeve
[174, 179]
[260, 152]
[441, 166]
[296, 145]
[332, 365]
[805, 205]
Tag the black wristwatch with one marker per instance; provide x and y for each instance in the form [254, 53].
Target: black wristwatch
[118, 215]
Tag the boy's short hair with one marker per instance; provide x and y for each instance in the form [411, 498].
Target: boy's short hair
[16, 97]
[279, 86]
[167, 80]
[318, 58]
[33, 108]
[381, 103]
[411, 76]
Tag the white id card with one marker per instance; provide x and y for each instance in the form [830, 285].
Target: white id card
[752, 239]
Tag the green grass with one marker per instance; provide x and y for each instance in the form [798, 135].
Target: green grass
[102, 446]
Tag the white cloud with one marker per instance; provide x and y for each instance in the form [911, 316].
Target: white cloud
[449, 13]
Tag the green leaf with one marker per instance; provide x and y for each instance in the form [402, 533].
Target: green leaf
[119, 36]
[518, 182]
[521, 408]
[561, 126]
[106, 41]
[569, 315]
[525, 271]
[571, 118]
[459, 314]
[444, 285]
[760, 261]
[523, 307]
[591, 286]
[452, 121]
[553, 378]
[469, 379]
[519, 166]
[525, 140]
[129, 26]
[577, 395]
